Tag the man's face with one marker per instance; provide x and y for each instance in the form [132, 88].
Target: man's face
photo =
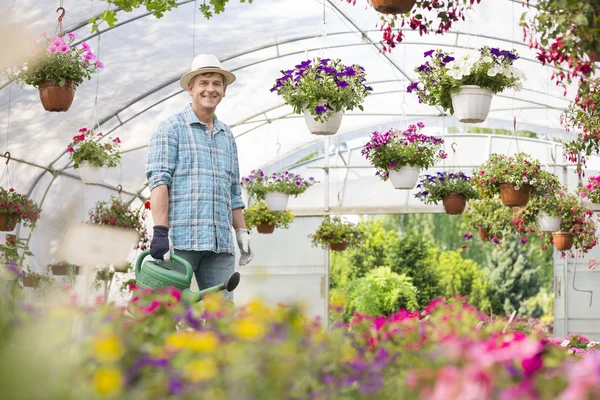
[207, 90]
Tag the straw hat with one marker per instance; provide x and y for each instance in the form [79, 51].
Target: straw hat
[204, 63]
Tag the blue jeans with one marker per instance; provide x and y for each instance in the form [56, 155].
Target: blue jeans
[210, 268]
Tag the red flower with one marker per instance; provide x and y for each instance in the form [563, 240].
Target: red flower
[147, 205]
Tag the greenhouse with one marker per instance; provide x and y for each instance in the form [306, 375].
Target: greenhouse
[391, 199]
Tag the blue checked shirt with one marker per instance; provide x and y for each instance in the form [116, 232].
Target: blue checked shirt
[202, 174]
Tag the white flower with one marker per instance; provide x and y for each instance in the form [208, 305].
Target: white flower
[495, 70]
[518, 86]
[487, 59]
[455, 73]
[533, 181]
[517, 188]
[9, 71]
[525, 179]
[511, 179]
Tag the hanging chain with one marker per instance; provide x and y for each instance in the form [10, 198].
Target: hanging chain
[516, 140]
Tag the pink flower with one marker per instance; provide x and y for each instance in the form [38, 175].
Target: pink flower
[63, 48]
[155, 304]
[71, 35]
[57, 41]
[99, 64]
[89, 56]
[86, 46]
[52, 49]
[83, 130]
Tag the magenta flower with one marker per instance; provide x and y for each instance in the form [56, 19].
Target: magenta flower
[63, 48]
[99, 64]
[52, 49]
[86, 46]
[71, 35]
[89, 56]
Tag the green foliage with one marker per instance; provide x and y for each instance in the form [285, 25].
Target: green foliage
[382, 292]
[540, 306]
[117, 213]
[87, 147]
[459, 276]
[322, 87]
[157, 7]
[435, 187]
[335, 230]
[443, 74]
[513, 277]
[491, 216]
[14, 251]
[19, 206]
[259, 214]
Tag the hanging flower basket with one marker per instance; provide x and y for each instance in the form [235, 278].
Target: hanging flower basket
[454, 204]
[393, 6]
[57, 98]
[276, 189]
[512, 197]
[276, 201]
[548, 223]
[63, 268]
[405, 178]
[338, 246]
[471, 103]
[562, 240]
[31, 281]
[325, 128]
[595, 56]
[265, 228]
[93, 156]
[92, 175]
[8, 222]
[483, 233]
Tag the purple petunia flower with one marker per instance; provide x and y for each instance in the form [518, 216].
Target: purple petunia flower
[320, 110]
[342, 84]
[428, 53]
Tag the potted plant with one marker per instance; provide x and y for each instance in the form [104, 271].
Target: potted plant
[276, 189]
[465, 85]
[33, 280]
[90, 156]
[56, 68]
[63, 268]
[400, 156]
[489, 217]
[582, 116]
[322, 89]
[543, 212]
[16, 207]
[591, 191]
[515, 178]
[117, 213]
[337, 234]
[453, 189]
[427, 16]
[14, 252]
[577, 226]
[265, 221]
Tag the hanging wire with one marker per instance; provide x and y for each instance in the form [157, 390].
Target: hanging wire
[8, 117]
[322, 27]
[194, 29]
[94, 111]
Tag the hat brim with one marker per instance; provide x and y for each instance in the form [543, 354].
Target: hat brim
[185, 79]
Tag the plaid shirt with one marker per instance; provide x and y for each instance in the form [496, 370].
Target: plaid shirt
[202, 174]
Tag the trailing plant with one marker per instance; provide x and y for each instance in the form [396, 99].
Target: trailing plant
[72, 270]
[19, 206]
[335, 230]
[490, 215]
[323, 87]
[547, 202]
[158, 8]
[488, 68]
[393, 150]
[258, 185]
[87, 147]
[426, 16]
[14, 251]
[117, 213]
[44, 280]
[54, 59]
[517, 171]
[433, 188]
[259, 214]
[577, 219]
[591, 191]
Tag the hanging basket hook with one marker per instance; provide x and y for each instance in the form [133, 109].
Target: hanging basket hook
[120, 189]
[453, 145]
[7, 155]
[62, 15]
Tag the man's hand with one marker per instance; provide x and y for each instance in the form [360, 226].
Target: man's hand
[243, 241]
[160, 244]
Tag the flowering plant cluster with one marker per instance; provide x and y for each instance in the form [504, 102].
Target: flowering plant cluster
[19, 207]
[433, 188]
[582, 115]
[323, 87]
[118, 213]
[491, 216]
[258, 185]
[564, 33]
[335, 230]
[14, 252]
[442, 74]
[591, 191]
[518, 171]
[259, 214]
[87, 147]
[393, 150]
[548, 202]
[422, 17]
[56, 60]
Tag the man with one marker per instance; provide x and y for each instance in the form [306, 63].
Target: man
[193, 174]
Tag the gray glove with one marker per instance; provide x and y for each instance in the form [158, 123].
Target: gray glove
[243, 241]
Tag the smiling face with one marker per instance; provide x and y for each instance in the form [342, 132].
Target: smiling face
[207, 90]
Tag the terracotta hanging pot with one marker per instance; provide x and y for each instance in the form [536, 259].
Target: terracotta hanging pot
[454, 203]
[57, 98]
[265, 228]
[62, 269]
[562, 240]
[514, 198]
[393, 6]
[8, 222]
[31, 281]
[483, 233]
[595, 56]
[338, 246]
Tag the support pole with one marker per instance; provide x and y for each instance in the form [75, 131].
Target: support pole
[326, 209]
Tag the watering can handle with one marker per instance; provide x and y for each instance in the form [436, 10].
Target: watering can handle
[188, 268]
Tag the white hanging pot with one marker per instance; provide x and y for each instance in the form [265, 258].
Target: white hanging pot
[327, 128]
[405, 178]
[91, 175]
[471, 103]
[548, 223]
[276, 201]
[6, 274]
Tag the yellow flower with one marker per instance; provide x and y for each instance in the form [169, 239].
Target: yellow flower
[108, 348]
[249, 329]
[203, 341]
[108, 380]
[176, 340]
[212, 302]
[200, 370]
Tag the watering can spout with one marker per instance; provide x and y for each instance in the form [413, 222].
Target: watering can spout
[230, 284]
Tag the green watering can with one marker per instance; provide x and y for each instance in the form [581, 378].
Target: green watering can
[158, 274]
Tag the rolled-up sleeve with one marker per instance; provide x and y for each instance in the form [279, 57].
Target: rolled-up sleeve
[162, 156]
[236, 188]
